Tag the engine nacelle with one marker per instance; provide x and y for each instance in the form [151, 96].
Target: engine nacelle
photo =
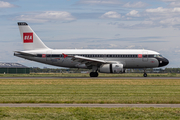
[111, 68]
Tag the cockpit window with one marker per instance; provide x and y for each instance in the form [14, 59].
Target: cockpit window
[158, 55]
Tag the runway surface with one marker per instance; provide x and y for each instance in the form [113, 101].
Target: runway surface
[93, 105]
[89, 78]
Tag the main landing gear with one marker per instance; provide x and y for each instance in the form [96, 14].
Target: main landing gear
[145, 74]
[94, 74]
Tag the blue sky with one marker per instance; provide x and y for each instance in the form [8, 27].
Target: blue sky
[96, 24]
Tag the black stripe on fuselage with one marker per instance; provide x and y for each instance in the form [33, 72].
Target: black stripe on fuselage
[100, 55]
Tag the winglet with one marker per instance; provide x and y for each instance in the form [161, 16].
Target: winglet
[64, 55]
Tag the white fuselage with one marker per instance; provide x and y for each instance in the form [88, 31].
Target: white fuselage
[99, 60]
[132, 58]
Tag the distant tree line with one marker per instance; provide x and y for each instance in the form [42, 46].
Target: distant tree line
[54, 70]
[172, 70]
[75, 70]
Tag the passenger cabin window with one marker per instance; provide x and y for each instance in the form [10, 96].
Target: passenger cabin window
[101, 55]
[39, 55]
[55, 55]
[150, 56]
[145, 56]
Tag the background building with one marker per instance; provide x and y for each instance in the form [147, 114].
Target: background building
[13, 68]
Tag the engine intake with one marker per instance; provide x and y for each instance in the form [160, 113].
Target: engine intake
[111, 68]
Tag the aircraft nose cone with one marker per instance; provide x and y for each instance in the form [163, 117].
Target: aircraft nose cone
[163, 62]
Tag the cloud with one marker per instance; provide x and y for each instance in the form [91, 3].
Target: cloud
[135, 5]
[141, 25]
[174, 4]
[133, 13]
[169, 0]
[6, 5]
[100, 2]
[149, 18]
[111, 14]
[157, 10]
[163, 10]
[165, 16]
[47, 16]
[171, 21]
[113, 45]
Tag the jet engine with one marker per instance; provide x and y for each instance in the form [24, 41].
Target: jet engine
[111, 68]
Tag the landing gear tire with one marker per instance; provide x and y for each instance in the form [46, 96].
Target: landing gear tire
[94, 74]
[145, 74]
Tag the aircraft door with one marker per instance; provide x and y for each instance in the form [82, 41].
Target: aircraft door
[145, 56]
[104, 57]
[48, 55]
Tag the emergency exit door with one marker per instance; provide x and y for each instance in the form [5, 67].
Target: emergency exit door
[145, 56]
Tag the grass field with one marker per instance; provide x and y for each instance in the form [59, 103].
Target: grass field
[90, 113]
[87, 75]
[89, 91]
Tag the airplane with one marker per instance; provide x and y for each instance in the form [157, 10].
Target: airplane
[99, 60]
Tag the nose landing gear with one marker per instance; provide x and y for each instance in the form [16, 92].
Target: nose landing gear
[145, 74]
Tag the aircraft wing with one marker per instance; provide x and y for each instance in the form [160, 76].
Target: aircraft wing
[88, 61]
